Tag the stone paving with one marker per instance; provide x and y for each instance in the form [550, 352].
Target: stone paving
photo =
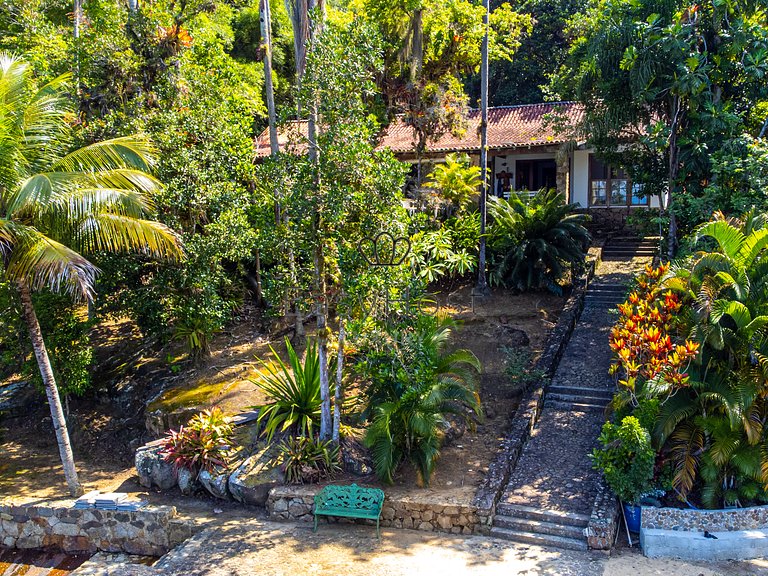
[554, 471]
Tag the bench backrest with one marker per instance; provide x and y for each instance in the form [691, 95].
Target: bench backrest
[351, 497]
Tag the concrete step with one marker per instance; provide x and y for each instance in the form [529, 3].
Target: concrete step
[580, 406]
[538, 526]
[578, 399]
[539, 539]
[531, 513]
[603, 393]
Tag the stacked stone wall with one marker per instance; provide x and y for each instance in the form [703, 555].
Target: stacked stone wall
[428, 513]
[150, 531]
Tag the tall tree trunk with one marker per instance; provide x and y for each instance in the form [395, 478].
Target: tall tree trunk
[133, 5]
[482, 281]
[673, 172]
[51, 390]
[417, 45]
[266, 38]
[321, 307]
[339, 378]
[321, 292]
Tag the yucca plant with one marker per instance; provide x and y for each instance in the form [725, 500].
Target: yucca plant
[293, 390]
[535, 241]
[58, 206]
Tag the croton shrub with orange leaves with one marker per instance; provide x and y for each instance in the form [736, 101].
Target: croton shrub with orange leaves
[644, 341]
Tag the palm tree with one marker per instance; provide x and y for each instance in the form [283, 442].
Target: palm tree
[714, 428]
[56, 207]
[408, 409]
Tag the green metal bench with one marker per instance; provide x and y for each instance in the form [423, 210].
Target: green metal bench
[350, 501]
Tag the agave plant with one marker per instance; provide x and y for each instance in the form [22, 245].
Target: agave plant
[294, 393]
[408, 403]
[534, 242]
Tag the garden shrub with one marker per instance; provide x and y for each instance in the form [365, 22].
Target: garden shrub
[413, 385]
[626, 459]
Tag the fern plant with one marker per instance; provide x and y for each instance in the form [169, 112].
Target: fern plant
[535, 241]
[293, 390]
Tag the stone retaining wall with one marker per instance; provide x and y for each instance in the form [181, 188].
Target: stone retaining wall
[739, 534]
[151, 531]
[604, 519]
[294, 503]
[529, 410]
[753, 518]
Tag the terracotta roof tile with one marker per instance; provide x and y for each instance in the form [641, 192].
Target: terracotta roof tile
[508, 127]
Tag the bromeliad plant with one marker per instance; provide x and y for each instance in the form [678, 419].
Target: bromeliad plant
[203, 444]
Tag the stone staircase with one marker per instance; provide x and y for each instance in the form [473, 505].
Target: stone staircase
[540, 527]
[578, 397]
[626, 248]
[605, 294]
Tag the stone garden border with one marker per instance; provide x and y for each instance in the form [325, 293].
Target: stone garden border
[739, 533]
[149, 531]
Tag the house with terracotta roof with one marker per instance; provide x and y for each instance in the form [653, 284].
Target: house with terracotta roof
[531, 146]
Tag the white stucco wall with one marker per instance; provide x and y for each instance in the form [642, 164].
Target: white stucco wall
[580, 178]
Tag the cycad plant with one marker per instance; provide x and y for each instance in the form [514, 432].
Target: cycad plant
[535, 241]
[294, 393]
[414, 385]
[58, 206]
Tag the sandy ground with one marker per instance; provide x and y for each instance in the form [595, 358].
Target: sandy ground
[270, 549]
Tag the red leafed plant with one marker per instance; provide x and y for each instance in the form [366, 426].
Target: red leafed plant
[642, 342]
[203, 444]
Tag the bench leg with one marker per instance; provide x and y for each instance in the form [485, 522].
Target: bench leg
[315, 528]
[378, 533]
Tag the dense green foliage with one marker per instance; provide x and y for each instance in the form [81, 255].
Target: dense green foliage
[676, 84]
[700, 385]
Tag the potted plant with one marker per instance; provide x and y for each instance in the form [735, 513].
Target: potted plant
[626, 460]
